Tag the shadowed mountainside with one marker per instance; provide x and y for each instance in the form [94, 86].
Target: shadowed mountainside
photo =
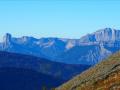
[103, 76]
[25, 79]
[61, 72]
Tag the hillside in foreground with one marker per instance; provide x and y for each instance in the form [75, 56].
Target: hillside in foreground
[103, 76]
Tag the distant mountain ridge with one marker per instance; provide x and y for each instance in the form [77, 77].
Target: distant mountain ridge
[89, 49]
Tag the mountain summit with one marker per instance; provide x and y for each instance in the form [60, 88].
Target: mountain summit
[7, 38]
[89, 49]
[102, 35]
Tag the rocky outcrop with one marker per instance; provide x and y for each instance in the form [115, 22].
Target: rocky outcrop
[102, 35]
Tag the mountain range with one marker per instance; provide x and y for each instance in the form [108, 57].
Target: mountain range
[102, 76]
[89, 49]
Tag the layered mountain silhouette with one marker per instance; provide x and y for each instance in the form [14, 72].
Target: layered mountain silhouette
[32, 73]
[89, 49]
[103, 76]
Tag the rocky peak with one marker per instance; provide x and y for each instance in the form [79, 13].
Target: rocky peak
[106, 34]
[7, 38]
[102, 35]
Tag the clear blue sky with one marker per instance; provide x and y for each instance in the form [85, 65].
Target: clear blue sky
[57, 18]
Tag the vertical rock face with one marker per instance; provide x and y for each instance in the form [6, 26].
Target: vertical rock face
[107, 34]
[89, 49]
[7, 38]
[103, 35]
[7, 42]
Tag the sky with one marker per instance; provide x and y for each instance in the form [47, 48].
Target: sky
[57, 18]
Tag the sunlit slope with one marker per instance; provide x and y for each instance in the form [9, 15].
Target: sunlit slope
[103, 76]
